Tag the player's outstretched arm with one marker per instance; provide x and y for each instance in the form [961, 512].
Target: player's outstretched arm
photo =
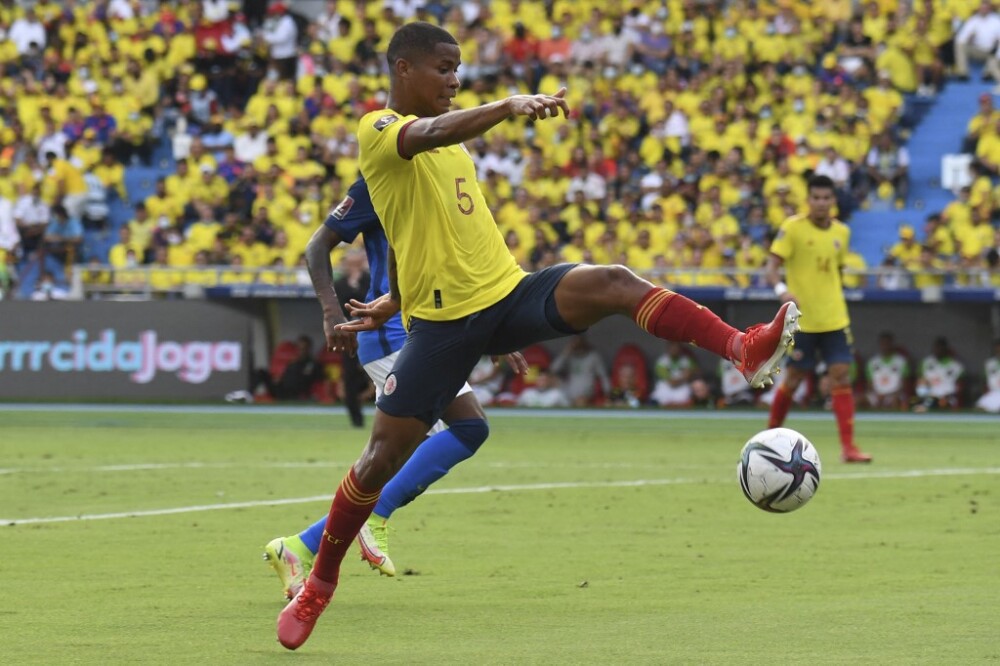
[455, 127]
[321, 273]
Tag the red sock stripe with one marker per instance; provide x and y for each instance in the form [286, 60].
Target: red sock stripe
[649, 304]
[352, 490]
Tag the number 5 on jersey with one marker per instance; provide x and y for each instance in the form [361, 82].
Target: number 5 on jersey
[465, 203]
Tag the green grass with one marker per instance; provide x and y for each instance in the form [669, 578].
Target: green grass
[895, 570]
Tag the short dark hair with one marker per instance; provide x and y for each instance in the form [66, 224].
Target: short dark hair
[820, 182]
[416, 39]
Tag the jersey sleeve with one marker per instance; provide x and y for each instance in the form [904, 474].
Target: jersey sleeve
[782, 243]
[380, 137]
[354, 214]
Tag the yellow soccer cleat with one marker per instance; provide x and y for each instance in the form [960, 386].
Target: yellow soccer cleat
[291, 560]
[374, 541]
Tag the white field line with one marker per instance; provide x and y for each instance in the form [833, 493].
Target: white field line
[140, 467]
[143, 467]
[902, 474]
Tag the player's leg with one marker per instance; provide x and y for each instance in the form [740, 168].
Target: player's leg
[800, 364]
[291, 557]
[588, 294]
[467, 428]
[433, 364]
[784, 396]
[836, 348]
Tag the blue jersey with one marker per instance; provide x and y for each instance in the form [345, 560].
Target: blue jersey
[352, 216]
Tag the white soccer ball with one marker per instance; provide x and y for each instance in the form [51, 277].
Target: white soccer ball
[779, 470]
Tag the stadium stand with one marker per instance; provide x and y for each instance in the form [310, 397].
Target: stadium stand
[694, 127]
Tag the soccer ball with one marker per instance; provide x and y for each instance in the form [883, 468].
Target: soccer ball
[779, 470]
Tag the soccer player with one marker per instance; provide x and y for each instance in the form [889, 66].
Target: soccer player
[292, 557]
[462, 294]
[811, 248]
[887, 372]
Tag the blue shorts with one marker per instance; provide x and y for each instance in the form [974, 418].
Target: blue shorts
[438, 356]
[832, 347]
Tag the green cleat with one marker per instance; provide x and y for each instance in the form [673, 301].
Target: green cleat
[291, 560]
[374, 541]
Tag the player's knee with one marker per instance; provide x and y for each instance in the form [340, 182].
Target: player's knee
[791, 382]
[840, 374]
[470, 432]
[378, 463]
[619, 277]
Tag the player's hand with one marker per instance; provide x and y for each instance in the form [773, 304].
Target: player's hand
[369, 316]
[537, 107]
[338, 340]
[788, 297]
[516, 361]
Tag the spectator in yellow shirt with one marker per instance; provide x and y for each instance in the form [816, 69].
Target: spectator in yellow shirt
[981, 124]
[120, 253]
[907, 250]
[252, 253]
[179, 184]
[210, 188]
[162, 207]
[926, 269]
[112, 174]
[64, 183]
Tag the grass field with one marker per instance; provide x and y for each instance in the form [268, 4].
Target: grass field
[608, 540]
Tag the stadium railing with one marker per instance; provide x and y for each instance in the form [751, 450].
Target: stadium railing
[878, 284]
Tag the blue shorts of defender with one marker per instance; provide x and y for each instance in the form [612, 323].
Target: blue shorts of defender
[831, 346]
[438, 356]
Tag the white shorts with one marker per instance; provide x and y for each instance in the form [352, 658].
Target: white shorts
[666, 395]
[989, 402]
[379, 370]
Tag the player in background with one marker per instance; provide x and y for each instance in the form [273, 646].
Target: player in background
[887, 373]
[462, 293]
[989, 401]
[811, 248]
[291, 557]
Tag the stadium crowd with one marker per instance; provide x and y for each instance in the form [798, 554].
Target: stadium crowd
[694, 127]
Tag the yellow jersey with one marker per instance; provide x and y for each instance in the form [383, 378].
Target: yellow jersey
[451, 259]
[813, 258]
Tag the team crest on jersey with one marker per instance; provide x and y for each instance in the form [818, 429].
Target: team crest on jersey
[343, 208]
[836, 245]
[390, 385]
[385, 121]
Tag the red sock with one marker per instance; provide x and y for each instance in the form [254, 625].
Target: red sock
[843, 409]
[351, 507]
[779, 406]
[671, 316]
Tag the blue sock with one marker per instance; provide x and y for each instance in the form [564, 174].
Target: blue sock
[312, 535]
[433, 459]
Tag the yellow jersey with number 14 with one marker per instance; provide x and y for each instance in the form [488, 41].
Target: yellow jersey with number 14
[451, 260]
[813, 258]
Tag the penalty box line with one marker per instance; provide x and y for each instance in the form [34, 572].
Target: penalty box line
[902, 474]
